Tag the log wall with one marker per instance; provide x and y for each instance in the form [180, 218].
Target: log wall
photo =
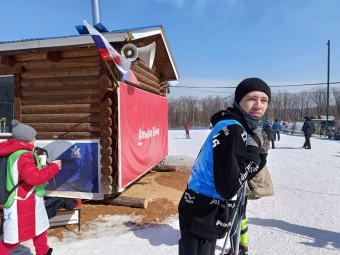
[71, 94]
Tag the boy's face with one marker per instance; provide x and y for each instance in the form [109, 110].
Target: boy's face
[255, 103]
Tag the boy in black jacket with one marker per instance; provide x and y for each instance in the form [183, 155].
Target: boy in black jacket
[230, 156]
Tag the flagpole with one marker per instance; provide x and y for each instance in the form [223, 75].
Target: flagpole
[114, 78]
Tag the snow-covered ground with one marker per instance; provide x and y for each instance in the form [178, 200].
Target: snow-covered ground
[301, 219]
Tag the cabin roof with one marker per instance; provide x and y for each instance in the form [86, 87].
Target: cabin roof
[165, 65]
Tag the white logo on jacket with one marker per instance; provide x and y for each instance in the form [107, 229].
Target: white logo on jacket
[244, 136]
[222, 224]
[189, 199]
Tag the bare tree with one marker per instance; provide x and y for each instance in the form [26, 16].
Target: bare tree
[283, 106]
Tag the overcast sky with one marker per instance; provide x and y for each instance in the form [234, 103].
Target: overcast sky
[214, 42]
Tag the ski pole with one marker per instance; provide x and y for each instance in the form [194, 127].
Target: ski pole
[238, 232]
[233, 217]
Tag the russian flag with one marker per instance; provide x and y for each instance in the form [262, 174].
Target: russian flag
[107, 52]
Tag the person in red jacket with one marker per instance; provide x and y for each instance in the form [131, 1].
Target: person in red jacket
[24, 212]
[187, 130]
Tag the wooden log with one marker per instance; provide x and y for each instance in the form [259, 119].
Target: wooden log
[106, 180]
[62, 118]
[8, 60]
[106, 170]
[105, 132]
[106, 189]
[105, 122]
[147, 74]
[106, 160]
[41, 54]
[61, 72]
[105, 141]
[46, 101]
[105, 112]
[165, 168]
[106, 151]
[105, 82]
[148, 88]
[28, 56]
[65, 63]
[82, 52]
[106, 103]
[105, 91]
[27, 92]
[142, 78]
[68, 135]
[54, 56]
[144, 66]
[11, 70]
[110, 70]
[62, 81]
[137, 202]
[66, 127]
[60, 109]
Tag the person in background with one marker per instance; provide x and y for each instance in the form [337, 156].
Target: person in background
[24, 211]
[229, 157]
[277, 129]
[308, 129]
[270, 134]
[187, 131]
[266, 123]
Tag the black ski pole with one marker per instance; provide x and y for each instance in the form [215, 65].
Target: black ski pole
[233, 217]
[238, 228]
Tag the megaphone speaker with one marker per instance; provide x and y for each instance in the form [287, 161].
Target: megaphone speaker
[147, 54]
[130, 52]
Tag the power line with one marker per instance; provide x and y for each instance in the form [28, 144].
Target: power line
[272, 86]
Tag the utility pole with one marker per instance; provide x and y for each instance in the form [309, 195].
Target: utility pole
[328, 66]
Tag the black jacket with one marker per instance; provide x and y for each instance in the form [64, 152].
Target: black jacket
[231, 159]
[308, 127]
[233, 164]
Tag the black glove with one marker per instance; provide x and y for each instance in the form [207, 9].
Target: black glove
[41, 151]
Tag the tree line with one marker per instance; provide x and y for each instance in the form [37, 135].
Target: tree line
[284, 106]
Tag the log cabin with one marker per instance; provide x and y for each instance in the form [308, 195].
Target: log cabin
[62, 88]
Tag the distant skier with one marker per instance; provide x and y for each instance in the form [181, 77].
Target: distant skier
[187, 131]
[270, 134]
[277, 129]
[308, 129]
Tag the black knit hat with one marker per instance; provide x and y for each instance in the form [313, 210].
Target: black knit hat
[249, 85]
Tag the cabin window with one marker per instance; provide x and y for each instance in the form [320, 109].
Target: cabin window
[6, 103]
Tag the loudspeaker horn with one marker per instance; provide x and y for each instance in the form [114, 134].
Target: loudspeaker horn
[147, 54]
[130, 52]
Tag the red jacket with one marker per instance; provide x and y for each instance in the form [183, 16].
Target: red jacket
[26, 227]
[187, 127]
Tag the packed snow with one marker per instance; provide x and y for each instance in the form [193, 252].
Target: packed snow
[302, 218]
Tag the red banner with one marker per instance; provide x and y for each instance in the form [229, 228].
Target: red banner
[143, 132]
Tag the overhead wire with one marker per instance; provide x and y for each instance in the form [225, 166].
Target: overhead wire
[198, 88]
